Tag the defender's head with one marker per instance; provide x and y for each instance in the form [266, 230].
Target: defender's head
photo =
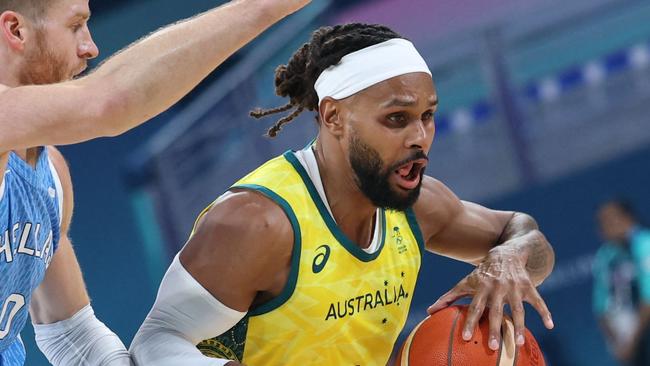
[44, 41]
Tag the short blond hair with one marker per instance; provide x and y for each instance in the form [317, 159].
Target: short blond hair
[33, 9]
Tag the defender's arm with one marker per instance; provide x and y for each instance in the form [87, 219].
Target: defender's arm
[67, 331]
[136, 84]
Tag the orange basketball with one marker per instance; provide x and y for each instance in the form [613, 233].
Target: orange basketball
[438, 341]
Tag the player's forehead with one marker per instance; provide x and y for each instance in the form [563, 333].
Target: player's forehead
[68, 9]
[404, 90]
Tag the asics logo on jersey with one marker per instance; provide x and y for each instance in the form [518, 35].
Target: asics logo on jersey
[321, 258]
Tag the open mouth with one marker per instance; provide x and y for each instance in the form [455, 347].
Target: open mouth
[409, 174]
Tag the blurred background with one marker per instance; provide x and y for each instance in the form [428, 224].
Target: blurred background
[544, 109]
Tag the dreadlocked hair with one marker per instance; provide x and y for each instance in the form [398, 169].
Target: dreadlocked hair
[327, 46]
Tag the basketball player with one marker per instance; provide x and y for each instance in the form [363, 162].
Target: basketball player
[43, 45]
[312, 258]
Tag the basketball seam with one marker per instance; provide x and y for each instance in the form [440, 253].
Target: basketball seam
[516, 352]
[507, 338]
[451, 337]
[406, 352]
[500, 349]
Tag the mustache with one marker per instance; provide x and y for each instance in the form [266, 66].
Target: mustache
[416, 155]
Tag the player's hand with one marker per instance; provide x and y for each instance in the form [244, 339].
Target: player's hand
[500, 279]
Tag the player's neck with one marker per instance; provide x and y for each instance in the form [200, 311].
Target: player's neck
[30, 156]
[9, 82]
[8, 76]
[352, 210]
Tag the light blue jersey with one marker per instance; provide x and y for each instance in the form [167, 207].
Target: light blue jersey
[30, 221]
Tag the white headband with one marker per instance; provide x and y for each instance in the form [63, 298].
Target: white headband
[369, 66]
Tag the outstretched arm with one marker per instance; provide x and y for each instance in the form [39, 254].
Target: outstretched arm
[67, 331]
[511, 254]
[136, 84]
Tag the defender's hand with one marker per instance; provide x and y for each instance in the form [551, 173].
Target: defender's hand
[500, 279]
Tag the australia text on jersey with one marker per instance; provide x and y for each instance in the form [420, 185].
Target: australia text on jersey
[25, 241]
[365, 301]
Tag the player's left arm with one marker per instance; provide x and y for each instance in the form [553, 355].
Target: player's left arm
[67, 331]
[511, 254]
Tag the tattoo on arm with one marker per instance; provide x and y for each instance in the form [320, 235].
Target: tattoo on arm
[540, 257]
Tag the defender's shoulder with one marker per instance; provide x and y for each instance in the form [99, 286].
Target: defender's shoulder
[61, 166]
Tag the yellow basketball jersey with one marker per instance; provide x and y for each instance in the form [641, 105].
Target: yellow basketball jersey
[341, 305]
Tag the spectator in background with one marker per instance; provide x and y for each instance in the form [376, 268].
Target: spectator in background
[621, 296]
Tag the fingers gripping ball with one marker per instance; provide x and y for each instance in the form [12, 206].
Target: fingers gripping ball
[437, 341]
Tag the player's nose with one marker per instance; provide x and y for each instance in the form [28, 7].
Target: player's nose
[88, 49]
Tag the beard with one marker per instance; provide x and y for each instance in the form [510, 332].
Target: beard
[42, 64]
[374, 180]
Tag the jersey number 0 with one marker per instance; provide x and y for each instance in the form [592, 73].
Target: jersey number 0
[19, 301]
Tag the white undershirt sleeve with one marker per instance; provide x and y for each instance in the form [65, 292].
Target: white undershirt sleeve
[81, 340]
[184, 314]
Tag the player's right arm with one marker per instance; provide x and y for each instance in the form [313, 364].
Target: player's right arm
[136, 84]
[511, 255]
[240, 252]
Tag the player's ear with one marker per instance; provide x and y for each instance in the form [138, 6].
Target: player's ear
[13, 28]
[330, 112]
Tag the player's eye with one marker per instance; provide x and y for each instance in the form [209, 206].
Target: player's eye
[397, 118]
